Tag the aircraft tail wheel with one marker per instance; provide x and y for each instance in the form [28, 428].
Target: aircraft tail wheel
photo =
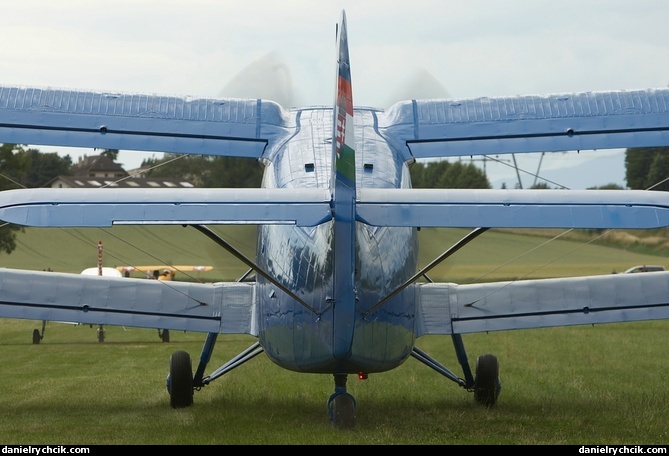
[180, 380]
[342, 409]
[486, 383]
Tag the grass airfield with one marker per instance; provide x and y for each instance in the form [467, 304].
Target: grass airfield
[586, 385]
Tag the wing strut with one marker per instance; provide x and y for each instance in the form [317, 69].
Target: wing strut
[454, 248]
[220, 241]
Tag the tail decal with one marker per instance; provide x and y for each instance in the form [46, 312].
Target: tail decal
[344, 158]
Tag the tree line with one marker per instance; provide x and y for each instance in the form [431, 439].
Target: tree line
[23, 167]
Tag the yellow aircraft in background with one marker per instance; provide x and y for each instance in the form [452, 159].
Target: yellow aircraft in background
[161, 272]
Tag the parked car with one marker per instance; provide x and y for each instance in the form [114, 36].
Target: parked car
[645, 268]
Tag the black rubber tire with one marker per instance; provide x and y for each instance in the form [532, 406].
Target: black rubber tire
[486, 381]
[181, 380]
[36, 336]
[343, 411]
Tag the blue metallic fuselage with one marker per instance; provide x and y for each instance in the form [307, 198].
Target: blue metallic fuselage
[302, 258]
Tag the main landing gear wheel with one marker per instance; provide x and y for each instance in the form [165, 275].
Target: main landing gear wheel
[180, 380]
[36, 336]
[486, 383]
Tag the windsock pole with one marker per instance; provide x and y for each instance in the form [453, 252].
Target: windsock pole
[99, 258]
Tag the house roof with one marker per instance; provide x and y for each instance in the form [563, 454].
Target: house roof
[127, 182]
[100, 171]
[97, 164]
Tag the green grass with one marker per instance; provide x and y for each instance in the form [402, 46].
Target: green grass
[578, 385]
[495, 255]
[73, 250]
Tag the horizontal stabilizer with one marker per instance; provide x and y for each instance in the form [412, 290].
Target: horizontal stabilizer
[46, 207]
[460, 208]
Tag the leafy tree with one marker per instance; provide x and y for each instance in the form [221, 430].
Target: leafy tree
[659, 172]
[10, 166]
[540, 186]
[647, 166]
[444, 174]
[610, 186]
[233, 172]
[112, 154]
[29, 168]
[43, 167]
[187, 167]
[26, 168]
[208, 172]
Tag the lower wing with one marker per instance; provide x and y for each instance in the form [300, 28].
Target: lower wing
[88, 299]
[452, 309]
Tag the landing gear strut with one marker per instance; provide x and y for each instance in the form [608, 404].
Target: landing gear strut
[485, 383]
[37, 336]
[101, 334]
[164, 335]
[181, 383]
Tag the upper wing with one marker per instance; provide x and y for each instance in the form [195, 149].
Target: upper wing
[561, 122]
[232, 127]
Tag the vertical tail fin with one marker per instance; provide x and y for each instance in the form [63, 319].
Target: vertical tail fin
[342, 187]
[343, 172]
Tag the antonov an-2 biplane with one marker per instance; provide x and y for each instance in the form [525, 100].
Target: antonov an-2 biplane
[338, 288]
